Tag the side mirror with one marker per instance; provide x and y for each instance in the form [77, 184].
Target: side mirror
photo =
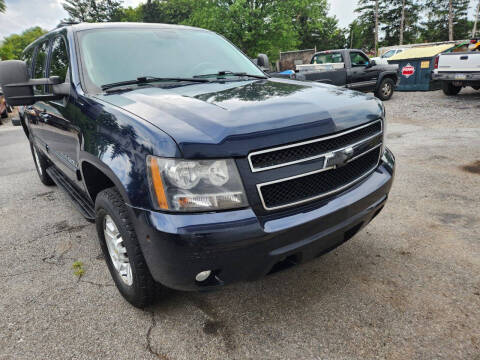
[263, 62]
[372, 63]
[18, 87]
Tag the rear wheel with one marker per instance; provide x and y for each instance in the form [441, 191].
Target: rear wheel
[41, 164]
[385, 89]
[121, 249]
[450, 89]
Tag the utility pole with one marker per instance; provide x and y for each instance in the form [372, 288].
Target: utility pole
[376, 27]
[474, 31]
[402, 22]
[450, 20]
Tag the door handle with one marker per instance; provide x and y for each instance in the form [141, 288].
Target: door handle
[464, 57]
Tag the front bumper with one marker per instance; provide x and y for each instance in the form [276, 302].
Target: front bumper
[239, 245]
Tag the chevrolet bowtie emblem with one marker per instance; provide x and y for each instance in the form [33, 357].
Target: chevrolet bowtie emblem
[338, 158]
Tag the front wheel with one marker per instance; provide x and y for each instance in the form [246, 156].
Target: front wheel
[385, 89]
[121, 249]
[450, 90]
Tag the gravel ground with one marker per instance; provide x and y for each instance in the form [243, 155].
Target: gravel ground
[406, 287]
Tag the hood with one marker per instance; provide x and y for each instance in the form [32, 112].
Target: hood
[223, 119]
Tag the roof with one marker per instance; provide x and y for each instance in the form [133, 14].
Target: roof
[421, 52]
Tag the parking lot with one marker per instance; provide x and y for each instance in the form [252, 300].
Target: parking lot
[406, 287]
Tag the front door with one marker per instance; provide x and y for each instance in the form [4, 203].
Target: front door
[61, 134]
[362, 77]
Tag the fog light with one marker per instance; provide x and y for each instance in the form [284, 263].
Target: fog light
[204, 275]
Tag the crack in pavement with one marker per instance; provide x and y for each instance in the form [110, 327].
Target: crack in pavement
[94, 283]
[149, 339]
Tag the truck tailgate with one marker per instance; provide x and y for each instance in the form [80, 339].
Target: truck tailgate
[459, 62]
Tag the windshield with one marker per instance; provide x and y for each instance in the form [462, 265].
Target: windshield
[115, 55]
[388, 54]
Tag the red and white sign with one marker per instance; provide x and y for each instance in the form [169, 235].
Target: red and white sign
[408, 70]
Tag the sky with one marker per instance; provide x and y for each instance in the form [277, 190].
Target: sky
[22, 14]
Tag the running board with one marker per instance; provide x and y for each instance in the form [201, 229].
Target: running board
[81, 203]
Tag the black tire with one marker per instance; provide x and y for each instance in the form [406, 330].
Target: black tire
[450, 90]
[41, 164]
[385, 89]
[142, 291]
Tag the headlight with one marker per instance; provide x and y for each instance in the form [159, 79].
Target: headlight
[195, 185]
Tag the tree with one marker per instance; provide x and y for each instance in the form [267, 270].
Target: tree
[91, 10]
[256, 26]
[443, 22]
[3, 7]
[315, 28]
[368, 20]
[475, 22]
[13, 45]
[401, 22]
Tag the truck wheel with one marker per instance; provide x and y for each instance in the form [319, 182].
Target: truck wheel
[385, 89]
[41, 164]
[450, 89]
[121, 249]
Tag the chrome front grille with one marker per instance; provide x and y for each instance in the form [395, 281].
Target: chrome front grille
[313, 149]
[343, 160]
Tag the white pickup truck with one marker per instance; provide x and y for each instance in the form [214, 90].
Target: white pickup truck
[457, 70]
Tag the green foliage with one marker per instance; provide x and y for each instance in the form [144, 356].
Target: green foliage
[364, 27]
[13, 45]
[435, 26]
[3, 7]
[391, 19]
[256, 26]
[91, 10]
[78, 269]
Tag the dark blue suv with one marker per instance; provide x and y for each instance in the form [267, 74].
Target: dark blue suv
[198, 168]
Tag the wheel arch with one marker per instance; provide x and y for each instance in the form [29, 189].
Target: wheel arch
[392, 75]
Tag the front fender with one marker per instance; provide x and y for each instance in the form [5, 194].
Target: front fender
[117, 143]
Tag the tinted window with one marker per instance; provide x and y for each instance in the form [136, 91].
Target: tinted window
[124, 54]
[59, 59]
[327, 58]
[40, 61]
[358, 59]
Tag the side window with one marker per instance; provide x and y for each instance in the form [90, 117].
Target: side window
[28, 58]
[40, 62]
[358, 59]
[59, 61]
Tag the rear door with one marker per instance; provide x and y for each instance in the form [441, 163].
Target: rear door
[62, 135]
[360, 76]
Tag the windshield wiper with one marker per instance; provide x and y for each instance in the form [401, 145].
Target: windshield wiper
[150, 79]
[231, 73]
